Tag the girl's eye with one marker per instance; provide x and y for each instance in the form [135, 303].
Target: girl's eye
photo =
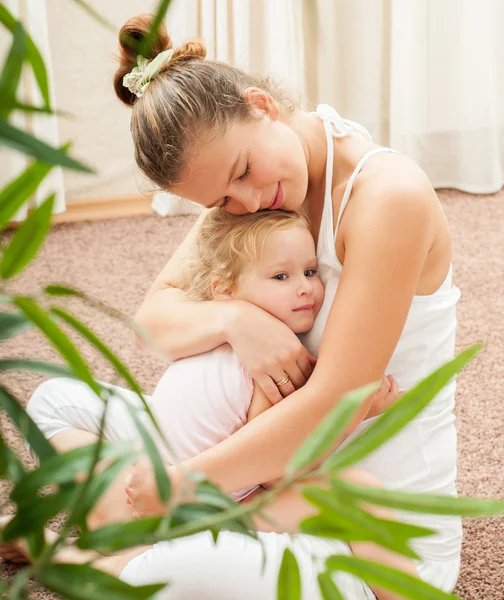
[225, 203]
[310, 272]
[280, 277]
[246, 173]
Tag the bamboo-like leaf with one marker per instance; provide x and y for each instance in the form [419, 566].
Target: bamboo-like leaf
[11, 72]
[331, 428]
[351, 523]
[328, 588]
[18, 191]
[119, 536]
[23, 364]
[423, 503]
[27, 144]
[13, 104]
[25, 424]
[27, 240]
[33, 513]
[82, 582]
[146, 46]
[162, 479]
[12, 323]
[399, 414]
[116, 363]
[32, 54]
[62, 468]
[58, 339]
[289, 579]
[405, 585]
[95, 15]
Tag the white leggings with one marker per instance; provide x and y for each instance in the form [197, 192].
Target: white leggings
[195, 567]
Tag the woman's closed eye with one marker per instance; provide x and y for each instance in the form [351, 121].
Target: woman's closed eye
[246, 172]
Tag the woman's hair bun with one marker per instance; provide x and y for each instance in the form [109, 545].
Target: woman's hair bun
[138, 28]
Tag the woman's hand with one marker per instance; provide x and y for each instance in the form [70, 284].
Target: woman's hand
[268, 349]
[385, 396]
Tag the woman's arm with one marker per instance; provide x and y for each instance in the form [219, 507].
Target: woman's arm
[386, 246]
[178, 327]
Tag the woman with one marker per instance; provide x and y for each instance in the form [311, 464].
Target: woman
[219, 137]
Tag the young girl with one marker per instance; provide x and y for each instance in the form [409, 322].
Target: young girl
[268, 259]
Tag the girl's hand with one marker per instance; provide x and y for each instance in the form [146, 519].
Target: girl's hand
[268, 349]
[385, 396]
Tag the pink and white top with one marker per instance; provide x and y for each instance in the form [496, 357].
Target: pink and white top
[200, 401]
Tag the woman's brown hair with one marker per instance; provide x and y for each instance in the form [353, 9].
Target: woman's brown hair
[192, 97]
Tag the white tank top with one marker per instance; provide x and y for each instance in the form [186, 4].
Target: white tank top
[422, 457]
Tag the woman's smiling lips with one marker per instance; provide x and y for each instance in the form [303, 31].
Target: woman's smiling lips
[305, 307]
[277, 200]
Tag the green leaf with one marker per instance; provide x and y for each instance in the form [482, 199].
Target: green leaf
[18, 191]
[98, 485]
[34, 512]
[11, 72]
[146, 46]
[289, 579]
[62, 468]
[62, 290]
[328, 588]
[350, 523]
[96, 16]
[424, 503]
[33, 55]
[119, 536]
[124, 371]
[377, 574]
[23, 364]
[81, 582]
[12, 323]
[399, 414]
[13, 104]
[58, 339]
[27, 240]
[331, 428]
[26, 425]
[162, 479]
[27, 144]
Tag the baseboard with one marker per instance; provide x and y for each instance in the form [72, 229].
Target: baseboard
[99, 209]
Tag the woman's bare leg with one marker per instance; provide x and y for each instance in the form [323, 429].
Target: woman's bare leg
[290, 507]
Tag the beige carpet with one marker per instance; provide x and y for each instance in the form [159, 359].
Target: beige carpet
[117, 260]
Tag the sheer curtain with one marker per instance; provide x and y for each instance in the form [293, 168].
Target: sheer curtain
[33, 15]
[423, 76]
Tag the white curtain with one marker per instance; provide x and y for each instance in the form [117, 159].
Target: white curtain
[33, 16]
[423, 76]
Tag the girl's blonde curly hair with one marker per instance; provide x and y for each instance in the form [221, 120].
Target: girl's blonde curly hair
[228, 245]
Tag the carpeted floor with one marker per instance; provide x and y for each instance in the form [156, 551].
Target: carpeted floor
[117, 260]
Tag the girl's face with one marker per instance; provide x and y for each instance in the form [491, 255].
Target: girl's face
[285, 281]
[254, 165]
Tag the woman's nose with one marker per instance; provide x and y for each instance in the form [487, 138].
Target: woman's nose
[249, 198]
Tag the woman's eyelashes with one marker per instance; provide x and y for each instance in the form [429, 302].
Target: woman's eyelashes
[242, 177]
[246, 173]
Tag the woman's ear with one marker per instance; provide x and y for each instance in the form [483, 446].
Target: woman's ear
[220, 289]
[262, 102]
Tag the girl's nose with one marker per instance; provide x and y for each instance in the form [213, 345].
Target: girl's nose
[306, 288]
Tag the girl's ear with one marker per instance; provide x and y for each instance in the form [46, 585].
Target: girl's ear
[220, 289]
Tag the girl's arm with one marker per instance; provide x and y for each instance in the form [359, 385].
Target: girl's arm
[386, 246]
[178, 328]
